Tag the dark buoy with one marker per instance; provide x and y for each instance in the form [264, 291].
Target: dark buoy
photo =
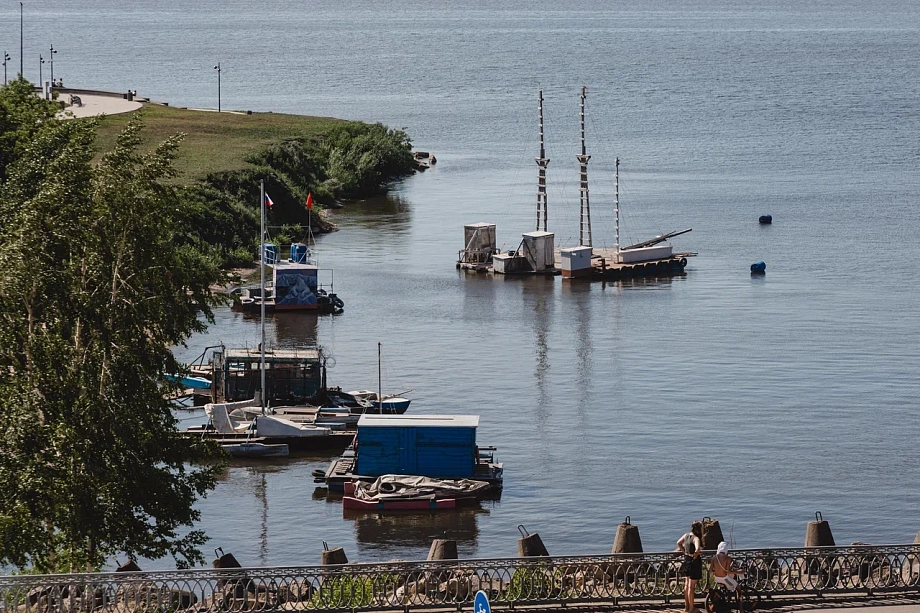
[759, 267]
[530, 545]
[766, 219]
[709, 531]
[627, 539]
[443, 549]
[818, 533]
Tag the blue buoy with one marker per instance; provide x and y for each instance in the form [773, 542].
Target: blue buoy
[765, 219]
[759, 267]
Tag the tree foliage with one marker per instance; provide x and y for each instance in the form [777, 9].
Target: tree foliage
[98, 279]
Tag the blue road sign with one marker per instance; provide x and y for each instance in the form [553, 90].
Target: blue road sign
[481, 603]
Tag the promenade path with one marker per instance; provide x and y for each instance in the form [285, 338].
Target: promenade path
[844, 604]
[94, 105]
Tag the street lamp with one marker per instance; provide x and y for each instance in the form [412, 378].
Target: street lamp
[6, 58]
[41, 61]
[53, 51]
[217, 68]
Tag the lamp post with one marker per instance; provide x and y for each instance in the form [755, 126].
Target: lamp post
[217, 68]
[6, 58]
[22, 71]
[53, 51]
[41, 61]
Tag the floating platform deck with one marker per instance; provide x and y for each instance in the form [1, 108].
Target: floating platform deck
[604, 266]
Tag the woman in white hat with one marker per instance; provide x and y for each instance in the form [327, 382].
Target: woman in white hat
[721, 568]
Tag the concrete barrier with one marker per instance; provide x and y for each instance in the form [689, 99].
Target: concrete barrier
[530, 545]
[627, 539]
[818, 533]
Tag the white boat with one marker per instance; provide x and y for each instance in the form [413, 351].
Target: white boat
[393, 403]
[390, 404]
[233, 423]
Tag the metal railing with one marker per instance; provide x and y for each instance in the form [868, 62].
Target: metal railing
[508, 582]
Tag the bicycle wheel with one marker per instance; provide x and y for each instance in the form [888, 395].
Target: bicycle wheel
[715, 601]
[750, 600]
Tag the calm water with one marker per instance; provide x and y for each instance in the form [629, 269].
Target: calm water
[754, 400]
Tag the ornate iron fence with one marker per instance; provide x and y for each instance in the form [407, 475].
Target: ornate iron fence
[453, 584]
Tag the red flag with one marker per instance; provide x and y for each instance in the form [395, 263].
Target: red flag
[268, 202]
[310, 202]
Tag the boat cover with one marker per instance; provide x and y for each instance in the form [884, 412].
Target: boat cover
[219, 414]
[395, 487]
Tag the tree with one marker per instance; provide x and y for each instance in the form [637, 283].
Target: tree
[98, 280]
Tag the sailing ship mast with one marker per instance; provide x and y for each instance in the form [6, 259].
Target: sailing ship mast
[584, 228]
[616, 206]
[262, 293]
[379, 385]
[542, 163]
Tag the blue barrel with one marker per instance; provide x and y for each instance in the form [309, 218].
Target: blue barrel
[271, 253]
[298, 253]
[759, 267]
[765, 219]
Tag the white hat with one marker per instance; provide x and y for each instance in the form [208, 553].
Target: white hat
[722, 548]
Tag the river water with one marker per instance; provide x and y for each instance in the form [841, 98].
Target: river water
[756, 400]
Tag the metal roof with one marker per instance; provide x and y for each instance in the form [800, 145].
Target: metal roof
[274, 355]
[418, 421]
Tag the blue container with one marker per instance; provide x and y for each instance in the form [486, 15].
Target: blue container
[271, 253]
[298, 253]
[759, 267]
[439, 446]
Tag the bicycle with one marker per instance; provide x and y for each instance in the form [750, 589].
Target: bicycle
[719, 598]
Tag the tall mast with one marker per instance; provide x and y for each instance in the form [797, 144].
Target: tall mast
[542, 163]
[262, 292]
[616, 203]
[379, 386]
[584, 228]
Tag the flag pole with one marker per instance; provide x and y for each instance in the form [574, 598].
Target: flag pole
[262, 292]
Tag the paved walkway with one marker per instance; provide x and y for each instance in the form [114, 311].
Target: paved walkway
[98, 105]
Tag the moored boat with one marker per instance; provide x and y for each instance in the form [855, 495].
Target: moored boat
[434, 446]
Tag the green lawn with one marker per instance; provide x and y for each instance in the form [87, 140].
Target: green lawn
[214, 141]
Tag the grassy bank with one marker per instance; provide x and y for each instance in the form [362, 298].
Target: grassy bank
[216, 142]
[224, 155]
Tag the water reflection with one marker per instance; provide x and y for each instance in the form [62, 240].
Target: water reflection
[400, 531]
[579, 293]
[538, 299]
[295, 328]
[390, 212]
[478, 296]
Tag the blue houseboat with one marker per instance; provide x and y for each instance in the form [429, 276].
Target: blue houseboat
[437, 446]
